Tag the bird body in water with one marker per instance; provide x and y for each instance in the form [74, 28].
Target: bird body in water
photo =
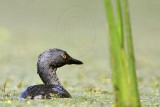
[47, 64]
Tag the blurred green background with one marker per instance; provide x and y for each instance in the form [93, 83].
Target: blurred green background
[29, 27]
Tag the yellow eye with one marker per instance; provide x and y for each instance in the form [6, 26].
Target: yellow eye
[64, 56]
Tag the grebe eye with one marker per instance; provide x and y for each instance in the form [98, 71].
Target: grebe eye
[64, 56]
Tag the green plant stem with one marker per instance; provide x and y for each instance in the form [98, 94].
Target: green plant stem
[131, 59]
[119, 23]
[116, 58]
[123, 68]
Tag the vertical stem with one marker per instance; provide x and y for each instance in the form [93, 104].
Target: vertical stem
[117, 60]
[124, 72]
[123, 69]
[119, 22]
[131, 59]
[113, 57]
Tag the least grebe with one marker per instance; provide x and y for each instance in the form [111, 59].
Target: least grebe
[47, 64]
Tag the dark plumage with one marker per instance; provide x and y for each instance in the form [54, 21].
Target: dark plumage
[47, 64]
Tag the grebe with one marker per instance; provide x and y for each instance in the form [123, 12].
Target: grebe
[47, 64]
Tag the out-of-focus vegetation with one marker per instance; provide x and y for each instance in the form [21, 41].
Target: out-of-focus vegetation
[79, 27]
[122, 57]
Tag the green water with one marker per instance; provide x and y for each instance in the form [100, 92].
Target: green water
[28, 27]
